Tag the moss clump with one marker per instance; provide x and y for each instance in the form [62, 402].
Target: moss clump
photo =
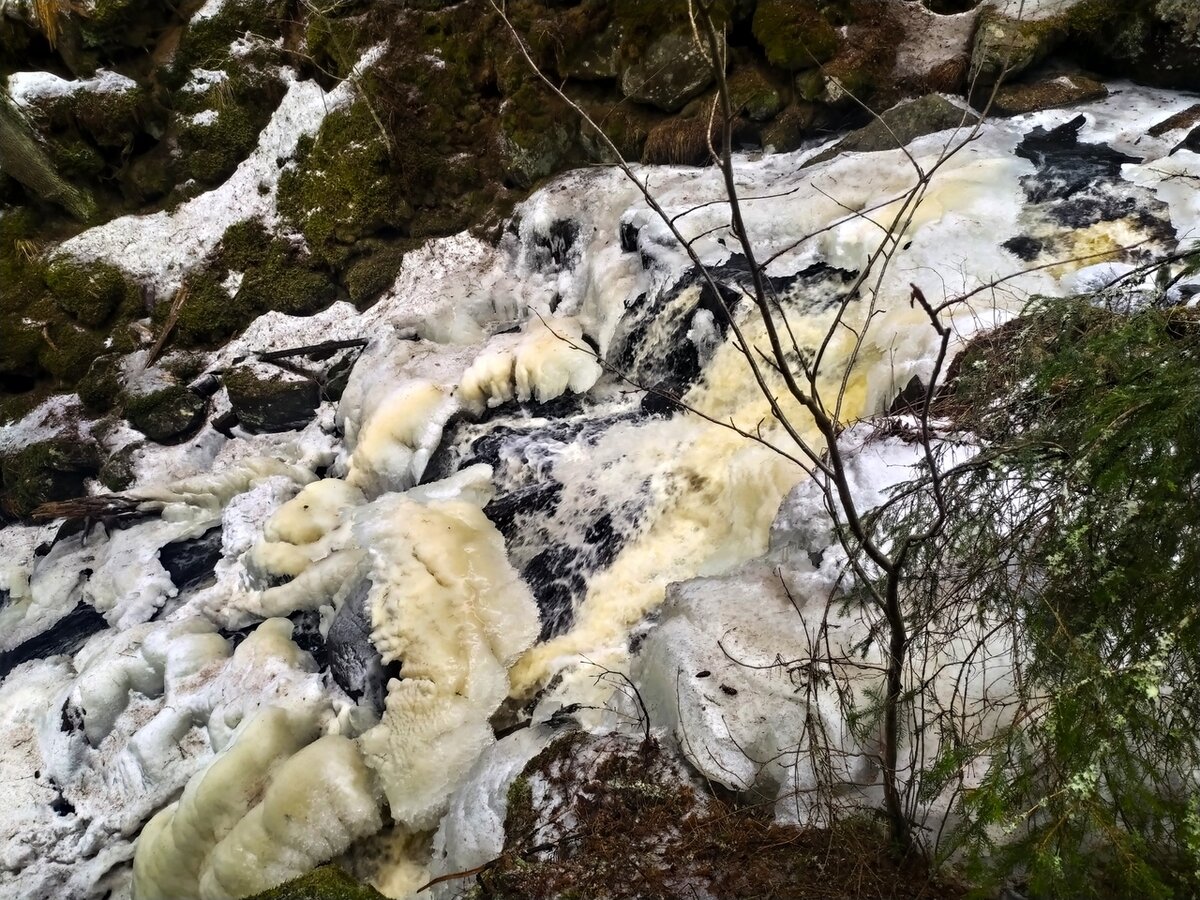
[20, 345]
[210, 152]
[20, 271]
[168, 415]
[794, 33]
[343, 186]
[68, 351]
[371, 275]
[274, 275]
[47, 470]
[122, 23]
[206, 41]
[101, 386]
[325, 883]
[90, 292]
[755, 93]
[75, 158]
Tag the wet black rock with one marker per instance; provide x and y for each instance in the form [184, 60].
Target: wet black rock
[353, 661]
[66, 636]
[192, 561]
[266, 401]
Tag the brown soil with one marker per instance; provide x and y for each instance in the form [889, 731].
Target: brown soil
[616, 818]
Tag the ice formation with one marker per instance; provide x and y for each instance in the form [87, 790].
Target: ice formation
[446, 602]
[490, 511]
[546, 360]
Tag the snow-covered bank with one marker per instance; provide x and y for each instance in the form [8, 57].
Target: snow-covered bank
[480, 477]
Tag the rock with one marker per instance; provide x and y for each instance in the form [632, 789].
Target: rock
[1066, 90]
[120, 470]
[65, 636]
[794, 33]
[268, 399]
[167, 416]
[49, 470]
[755, 93]
[1008, 45]
[669, 73]
[597, 56]
[904, 123]
[354, 662]
[1152, 41]
[191, 561]
[790, 128]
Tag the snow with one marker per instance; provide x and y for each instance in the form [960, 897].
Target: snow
[32, 88]
[160, 249]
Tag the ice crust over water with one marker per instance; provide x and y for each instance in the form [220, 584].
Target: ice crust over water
[478, 472]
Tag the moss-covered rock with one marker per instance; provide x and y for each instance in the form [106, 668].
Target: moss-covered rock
[45, 471]
[252, 272]
[90, 292]
[900, 125]
[1008, 45]
[756, 93]
[789, 130]
[120, 469]
[168, 415]
[271, 400]
[539, 134]
[794, 33]
[1066, 90]
[671, 71]
[206, 41]
[19, 348]
[325, 883]
[372, 274]
[344, 185]
[100, 388]
[68, 351]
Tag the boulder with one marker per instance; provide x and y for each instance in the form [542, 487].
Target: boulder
[268, 399]
[167, 416]
[901, 125]
[1007, 45]
[1066, 90]
[669, 73]
[49, 470]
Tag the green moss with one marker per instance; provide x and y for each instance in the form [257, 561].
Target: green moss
[90, 292]
[325, 883]
[166, 415]
[69, 351]
[275, 276]
[210, 315]
[794, 33]
[101, 386]
[211, 152]
[344, 186]
[369, 276]
[20, 271]
[75, 158]
[45, 471]
[206, 41]
[20, 346]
